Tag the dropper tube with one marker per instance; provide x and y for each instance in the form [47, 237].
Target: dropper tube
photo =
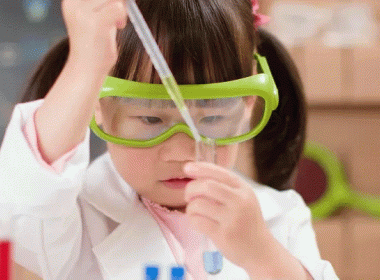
[160, 64]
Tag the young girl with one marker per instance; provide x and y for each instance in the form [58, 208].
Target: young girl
[145, 200]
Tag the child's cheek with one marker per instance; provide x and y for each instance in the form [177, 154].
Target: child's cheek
[133, 164]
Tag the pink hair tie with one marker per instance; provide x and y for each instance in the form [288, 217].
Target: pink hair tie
[260, 19]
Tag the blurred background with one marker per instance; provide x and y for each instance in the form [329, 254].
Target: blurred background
[336, 47]
[28, 29]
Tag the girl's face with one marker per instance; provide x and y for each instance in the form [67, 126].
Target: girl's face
[145, 169]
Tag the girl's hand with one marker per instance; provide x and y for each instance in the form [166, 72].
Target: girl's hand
[223, 206]
[92, 26]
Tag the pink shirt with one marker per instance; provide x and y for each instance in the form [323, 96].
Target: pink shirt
[184, 242]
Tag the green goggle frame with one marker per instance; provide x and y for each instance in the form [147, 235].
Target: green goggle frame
[261, 84]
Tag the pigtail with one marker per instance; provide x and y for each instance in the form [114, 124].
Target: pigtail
[278, 148]
[47, 72]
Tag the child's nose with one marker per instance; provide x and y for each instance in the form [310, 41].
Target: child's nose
[179, 147]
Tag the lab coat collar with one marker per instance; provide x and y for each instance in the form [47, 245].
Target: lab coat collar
[137, 231]
[107, 191]
[132, 245]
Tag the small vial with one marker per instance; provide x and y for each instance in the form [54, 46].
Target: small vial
[5, 259]
[6, 244]
[177, 273]
[151, 272]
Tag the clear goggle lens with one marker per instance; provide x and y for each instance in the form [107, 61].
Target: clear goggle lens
[145, 119]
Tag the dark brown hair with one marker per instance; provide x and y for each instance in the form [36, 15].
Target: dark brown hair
[203, 41]
[278, 148]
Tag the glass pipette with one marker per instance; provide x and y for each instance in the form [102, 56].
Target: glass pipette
[160, 64]
[171, 86]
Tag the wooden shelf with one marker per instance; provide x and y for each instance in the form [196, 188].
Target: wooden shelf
[344, 106]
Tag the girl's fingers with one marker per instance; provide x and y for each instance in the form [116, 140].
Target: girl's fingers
[210, 189]
[98, 4]
[212, 171]
[117, 10]
[93, 35]
[204, 225]
[206, 208]
[101, 4]
[107, 10]
[203, 215]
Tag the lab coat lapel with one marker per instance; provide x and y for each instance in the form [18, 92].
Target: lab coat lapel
[134, 243]
[137, 240]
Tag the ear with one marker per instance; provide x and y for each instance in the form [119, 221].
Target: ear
[98, 113]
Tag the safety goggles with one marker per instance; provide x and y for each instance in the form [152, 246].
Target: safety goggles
[138, 114]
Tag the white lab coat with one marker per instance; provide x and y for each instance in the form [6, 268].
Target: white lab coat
[88, 223]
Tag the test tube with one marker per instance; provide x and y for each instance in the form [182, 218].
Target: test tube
[212, 258]
[205, 150]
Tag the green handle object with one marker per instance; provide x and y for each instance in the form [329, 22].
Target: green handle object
[365, 203]
[338, 192]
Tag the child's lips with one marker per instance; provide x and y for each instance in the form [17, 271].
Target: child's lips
[176, 183]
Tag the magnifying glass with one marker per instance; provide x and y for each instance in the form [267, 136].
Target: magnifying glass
[323, 184]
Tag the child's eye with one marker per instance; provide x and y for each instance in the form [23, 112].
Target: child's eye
[212, 119]
[150, 120]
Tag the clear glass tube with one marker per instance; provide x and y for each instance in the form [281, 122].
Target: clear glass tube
[160, 64]
[205, 150]
[212, 258]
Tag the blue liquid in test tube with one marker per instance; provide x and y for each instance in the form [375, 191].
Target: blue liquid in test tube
[213, 262]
